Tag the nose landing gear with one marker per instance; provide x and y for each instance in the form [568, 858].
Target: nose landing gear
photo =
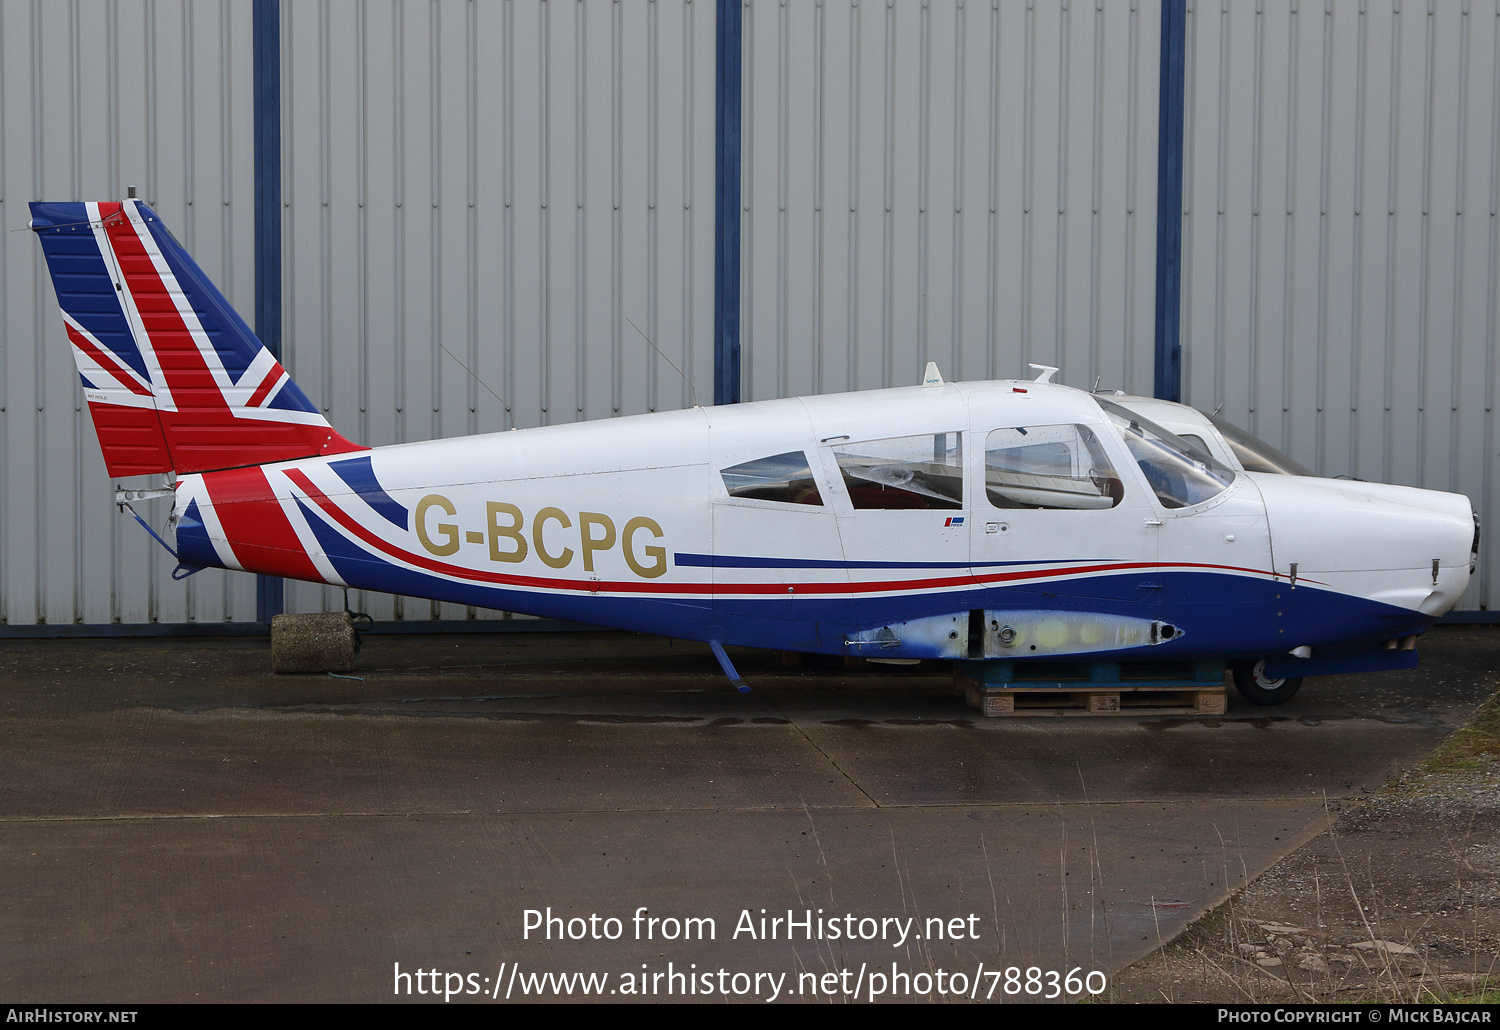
[1255, 686]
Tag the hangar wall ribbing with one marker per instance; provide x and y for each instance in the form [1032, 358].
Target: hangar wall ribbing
[967, 181]
[511, 180]
[1341, 240]
[972, 181]
[94, 97]
[515, 182]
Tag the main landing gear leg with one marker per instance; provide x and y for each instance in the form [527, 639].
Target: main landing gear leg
[728, 667]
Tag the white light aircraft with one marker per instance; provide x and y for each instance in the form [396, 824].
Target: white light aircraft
[987, 522]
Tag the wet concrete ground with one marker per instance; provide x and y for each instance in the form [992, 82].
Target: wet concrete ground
[178, 824]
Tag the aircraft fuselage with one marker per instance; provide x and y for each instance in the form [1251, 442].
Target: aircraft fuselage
[645, 523]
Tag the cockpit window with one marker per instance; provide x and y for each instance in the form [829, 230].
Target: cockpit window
[1257, 455]
[1180, 473]
[1198, 449]
[924, 471]
[781, 477]
[1049, 467]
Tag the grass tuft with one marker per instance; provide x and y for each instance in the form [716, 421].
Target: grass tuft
[1474, 747]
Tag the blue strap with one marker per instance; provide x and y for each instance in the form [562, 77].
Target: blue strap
[125, 506]
[183, 570]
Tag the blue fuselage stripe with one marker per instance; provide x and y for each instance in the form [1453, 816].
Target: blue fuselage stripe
[735, 561]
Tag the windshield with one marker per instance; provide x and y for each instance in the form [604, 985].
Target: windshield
[1181, 474]
[1257, 455]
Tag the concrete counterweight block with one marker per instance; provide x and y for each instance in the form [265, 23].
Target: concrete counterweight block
[313, 643]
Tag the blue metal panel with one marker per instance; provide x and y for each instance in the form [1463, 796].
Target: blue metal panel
[1169, 202]
[269, 590]
[72, 631]
[727, 205]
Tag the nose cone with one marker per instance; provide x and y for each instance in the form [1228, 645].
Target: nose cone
[1395, 544]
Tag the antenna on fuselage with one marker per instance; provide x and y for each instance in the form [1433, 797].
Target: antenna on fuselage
[692, 393]
[471, 372]
[1047, 372]
[932, 377]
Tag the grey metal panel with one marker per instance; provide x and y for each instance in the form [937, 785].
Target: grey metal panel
[507, 181]
[1342, 188]
[969, 181]
[95, 96]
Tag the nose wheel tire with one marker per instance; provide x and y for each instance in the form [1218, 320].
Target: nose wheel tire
[1255, 686]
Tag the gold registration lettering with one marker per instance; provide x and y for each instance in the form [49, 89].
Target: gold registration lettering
[591, 543]
[553, 561]
[656, 553]
[493, 510]
[446, 529]
[507, 539]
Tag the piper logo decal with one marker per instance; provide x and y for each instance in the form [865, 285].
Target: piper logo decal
[954, 521]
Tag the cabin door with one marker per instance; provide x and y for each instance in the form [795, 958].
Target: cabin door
[1062, 545]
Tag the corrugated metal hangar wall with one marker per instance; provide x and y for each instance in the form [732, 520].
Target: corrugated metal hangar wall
[968, 182]
[502, 187]
[491, 185]
[1340, 235]
[507, 185]
[94, 96]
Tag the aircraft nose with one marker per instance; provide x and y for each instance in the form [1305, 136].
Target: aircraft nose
[1400, 545]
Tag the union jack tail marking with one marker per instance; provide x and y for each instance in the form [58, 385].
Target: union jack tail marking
[175, 379]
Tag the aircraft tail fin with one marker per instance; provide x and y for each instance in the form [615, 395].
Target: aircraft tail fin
[175, 379]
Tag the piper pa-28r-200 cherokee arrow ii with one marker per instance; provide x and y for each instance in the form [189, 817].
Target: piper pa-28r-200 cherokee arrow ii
[1010, 520]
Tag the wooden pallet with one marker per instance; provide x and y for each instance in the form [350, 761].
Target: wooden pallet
[1013, 689]
[1018, 701]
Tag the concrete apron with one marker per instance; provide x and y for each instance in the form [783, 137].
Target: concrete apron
[215, 833]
